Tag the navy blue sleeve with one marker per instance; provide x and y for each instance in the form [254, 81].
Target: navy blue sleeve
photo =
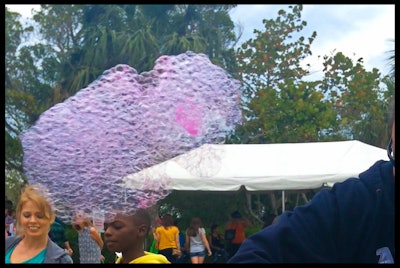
[331, 228]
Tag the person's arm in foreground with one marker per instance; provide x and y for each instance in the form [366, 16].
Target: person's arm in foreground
[68, 248]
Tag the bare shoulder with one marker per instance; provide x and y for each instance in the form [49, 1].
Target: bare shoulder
[93, 230]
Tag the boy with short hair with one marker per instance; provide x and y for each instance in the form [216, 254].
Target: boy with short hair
[126, 233]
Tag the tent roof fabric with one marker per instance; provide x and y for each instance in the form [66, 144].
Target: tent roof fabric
[259, 167]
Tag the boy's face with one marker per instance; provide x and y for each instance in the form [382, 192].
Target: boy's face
[123, 234]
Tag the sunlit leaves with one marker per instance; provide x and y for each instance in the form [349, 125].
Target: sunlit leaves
[359, 98]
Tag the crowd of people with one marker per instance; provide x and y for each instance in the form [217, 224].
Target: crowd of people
[42, 237]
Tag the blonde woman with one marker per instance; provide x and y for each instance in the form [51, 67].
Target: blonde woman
[32, 244]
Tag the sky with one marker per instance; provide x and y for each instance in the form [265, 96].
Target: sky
[359, 31]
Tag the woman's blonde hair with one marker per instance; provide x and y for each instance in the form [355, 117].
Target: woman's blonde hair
[38, 195]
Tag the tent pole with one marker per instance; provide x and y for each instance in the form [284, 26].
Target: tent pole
[305, 197]
[283, 201]
[248, 198]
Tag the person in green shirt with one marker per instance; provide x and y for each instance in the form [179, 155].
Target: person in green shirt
[57, 235]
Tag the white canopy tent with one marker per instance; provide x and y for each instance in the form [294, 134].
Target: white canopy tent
[259, 167]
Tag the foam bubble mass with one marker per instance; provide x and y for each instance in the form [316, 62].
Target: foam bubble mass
[124, 122]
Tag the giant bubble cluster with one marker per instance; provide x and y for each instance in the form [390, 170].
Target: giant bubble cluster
[124, 122]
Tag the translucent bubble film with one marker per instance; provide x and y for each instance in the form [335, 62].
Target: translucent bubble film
[124, 122]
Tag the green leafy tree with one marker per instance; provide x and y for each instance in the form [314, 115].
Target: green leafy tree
[136, 35]
[278, 106]
[360, 99]
[21, 109]
[273, 55]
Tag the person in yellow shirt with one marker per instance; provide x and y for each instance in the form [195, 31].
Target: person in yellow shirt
[167, 236]
[126, 233]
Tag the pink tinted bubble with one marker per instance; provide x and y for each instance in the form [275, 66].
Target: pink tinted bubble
[189, 117]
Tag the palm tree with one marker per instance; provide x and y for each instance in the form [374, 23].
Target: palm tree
[391, 60]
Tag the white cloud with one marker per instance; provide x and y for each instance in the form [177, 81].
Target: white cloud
[24, 10]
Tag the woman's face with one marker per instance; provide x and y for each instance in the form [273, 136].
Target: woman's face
[33, 221]
[77, 226]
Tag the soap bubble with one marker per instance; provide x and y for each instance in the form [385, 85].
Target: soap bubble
[123, 122]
